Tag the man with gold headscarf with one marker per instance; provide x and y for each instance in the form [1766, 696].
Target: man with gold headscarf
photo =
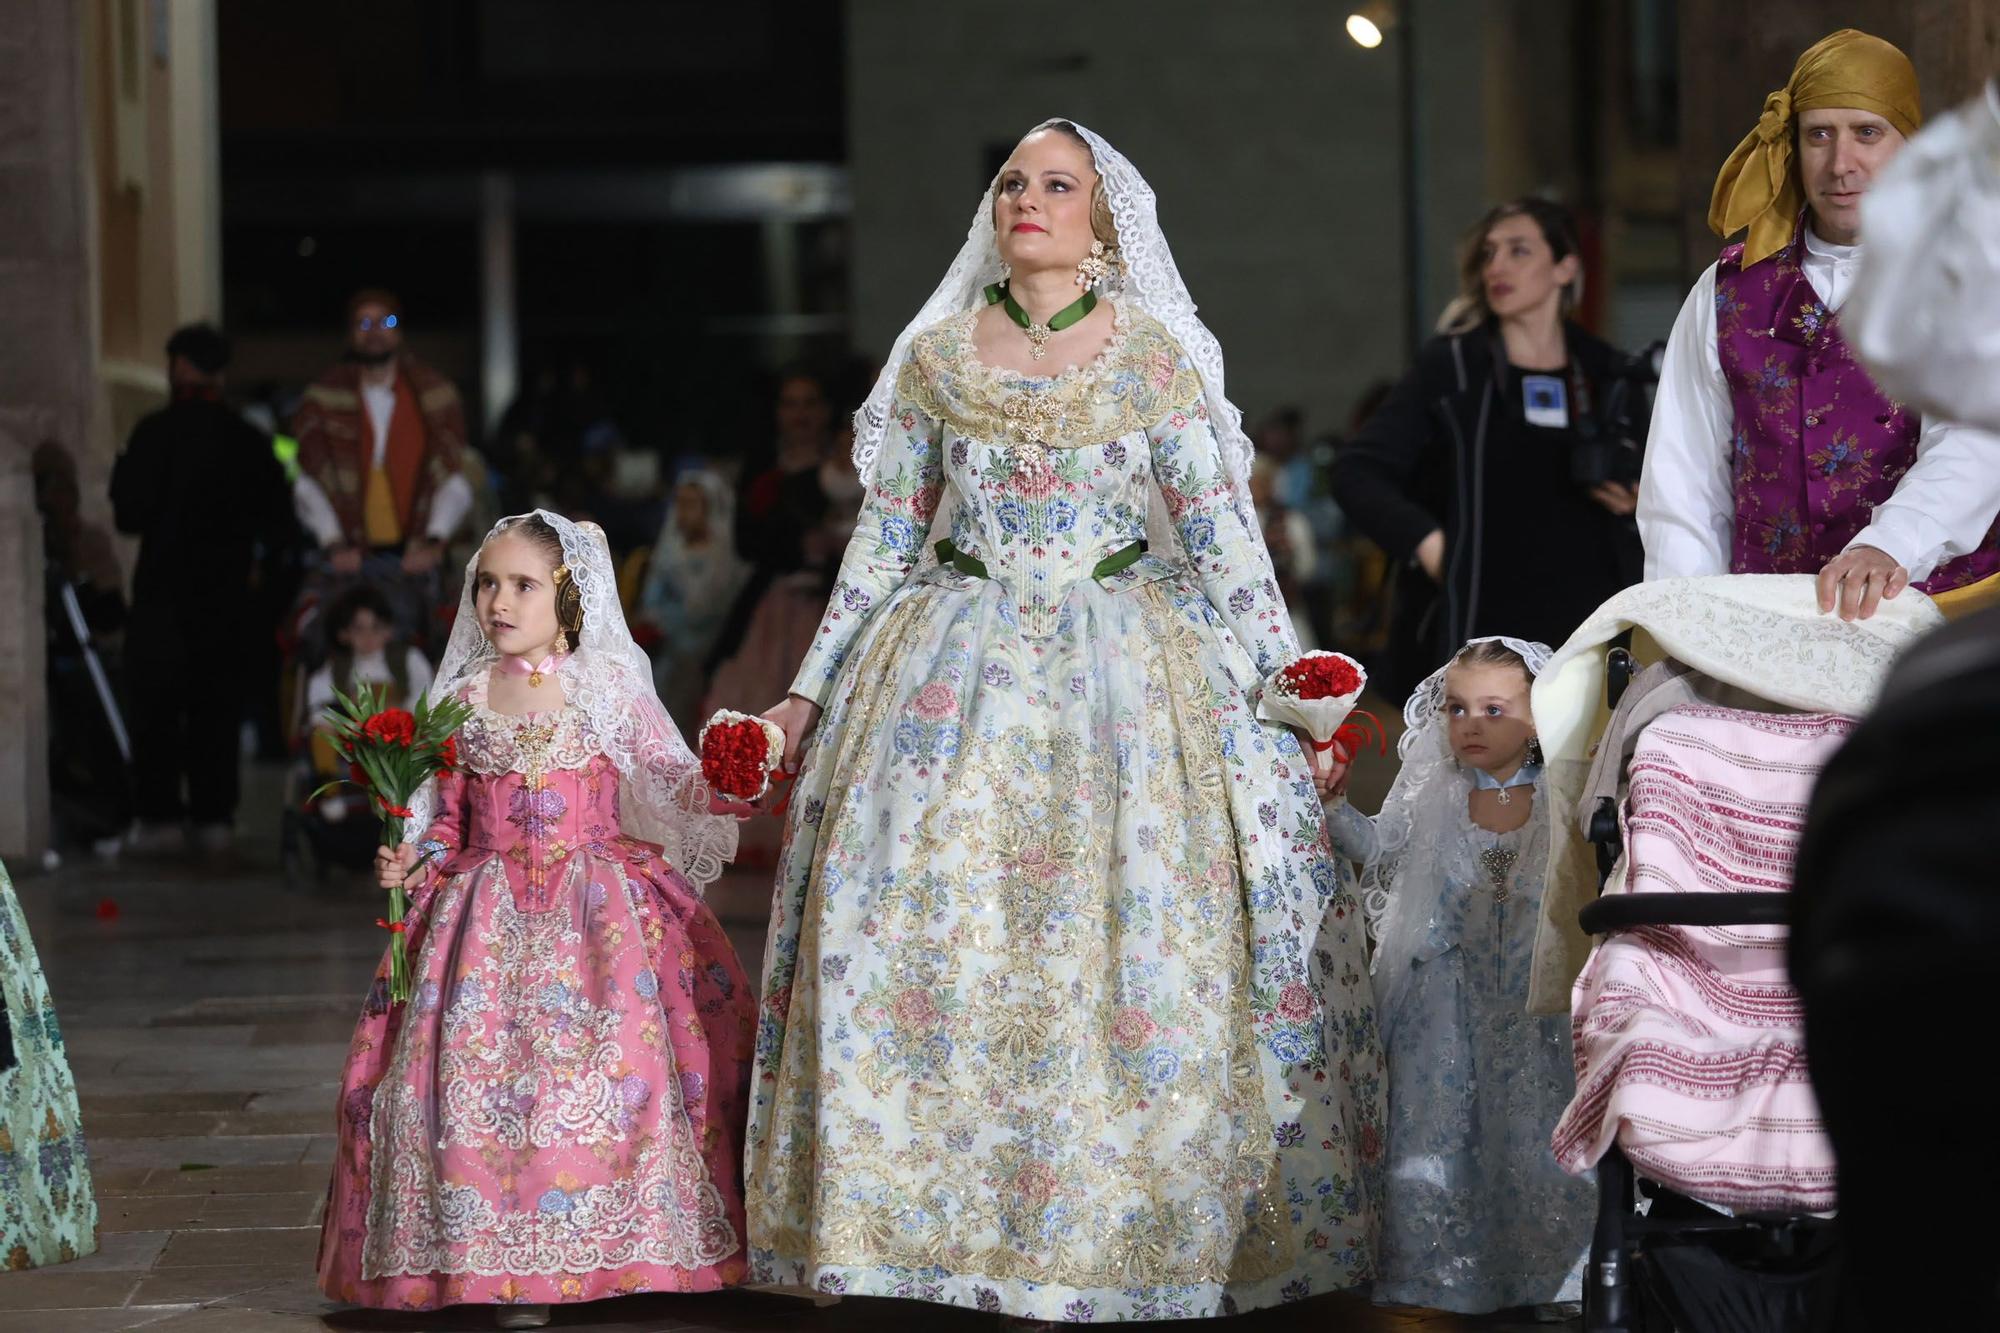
[1772, 449]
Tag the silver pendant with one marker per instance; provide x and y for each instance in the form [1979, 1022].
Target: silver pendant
[1498, 863]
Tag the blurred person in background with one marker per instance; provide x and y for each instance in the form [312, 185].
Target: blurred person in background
[381, 445]
[692, 580]
[89, 778]
[1298, 485]
[783, 497]
[75, 549]
[1360, 579]
[200, 488]
[1289, 538]
[1513, 444]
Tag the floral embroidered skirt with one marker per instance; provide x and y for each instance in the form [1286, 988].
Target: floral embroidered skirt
[1042, 1020]
[48, 1211]
[555, 1115]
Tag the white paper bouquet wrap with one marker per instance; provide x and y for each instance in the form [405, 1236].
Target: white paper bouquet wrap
[1314, 692]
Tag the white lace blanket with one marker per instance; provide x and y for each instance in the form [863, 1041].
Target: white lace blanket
[1763, 633]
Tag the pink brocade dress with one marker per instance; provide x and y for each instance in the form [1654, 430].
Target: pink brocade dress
[557, 1113]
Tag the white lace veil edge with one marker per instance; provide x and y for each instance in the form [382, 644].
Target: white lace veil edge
[1420, 821]
[663, 797]
[1148, 280]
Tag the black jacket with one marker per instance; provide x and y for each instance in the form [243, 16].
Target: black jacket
[1449, 449]
[199, 487]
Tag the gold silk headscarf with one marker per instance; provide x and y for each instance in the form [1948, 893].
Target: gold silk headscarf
[1759, 185]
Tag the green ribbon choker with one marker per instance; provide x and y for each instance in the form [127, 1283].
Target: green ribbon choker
[1038, 334]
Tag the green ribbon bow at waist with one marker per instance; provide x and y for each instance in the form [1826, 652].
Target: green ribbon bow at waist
[1122, 558]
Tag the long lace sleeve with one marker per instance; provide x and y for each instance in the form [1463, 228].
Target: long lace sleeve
[443, 835]
[895, 518]
[1223, 544]
[1353, 833]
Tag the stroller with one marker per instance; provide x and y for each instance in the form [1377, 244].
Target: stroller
[1686, 786]
[337, 830]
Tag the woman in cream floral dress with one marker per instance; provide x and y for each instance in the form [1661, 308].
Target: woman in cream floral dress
[1042, 1022]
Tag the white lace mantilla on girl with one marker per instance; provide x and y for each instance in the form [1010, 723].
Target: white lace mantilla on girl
[608, 683]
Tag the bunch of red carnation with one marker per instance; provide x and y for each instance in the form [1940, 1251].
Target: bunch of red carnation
[391, 752]
[1316, 693]
[739, 753]
[1321, 675]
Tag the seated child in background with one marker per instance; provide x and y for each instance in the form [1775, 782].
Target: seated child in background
[362, 627]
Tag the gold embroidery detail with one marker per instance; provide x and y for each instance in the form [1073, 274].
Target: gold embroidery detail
[1141, 379]
[1032, 417]
[1005, 903]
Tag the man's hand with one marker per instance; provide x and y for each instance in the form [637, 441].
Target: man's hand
[1858, 579]
[422, 555]
[1616, 496]
[1430, 555]
[345, 559]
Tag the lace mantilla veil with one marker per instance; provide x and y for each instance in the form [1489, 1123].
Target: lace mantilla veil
[1147, 279]
[662, 796]
[1421, 820]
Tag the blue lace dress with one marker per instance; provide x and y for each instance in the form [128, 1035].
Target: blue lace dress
[1479, 1217]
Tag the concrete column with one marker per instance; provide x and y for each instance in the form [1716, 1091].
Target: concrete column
[499, 336]
[46, 380]
[197, 160]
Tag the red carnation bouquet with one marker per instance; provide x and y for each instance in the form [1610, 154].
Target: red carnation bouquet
[740, 753]
[390, 753]
[1317, 693]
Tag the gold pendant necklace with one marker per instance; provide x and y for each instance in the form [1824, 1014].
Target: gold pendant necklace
[1038, 334]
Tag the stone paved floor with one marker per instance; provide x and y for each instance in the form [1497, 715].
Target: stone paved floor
[207, 1021]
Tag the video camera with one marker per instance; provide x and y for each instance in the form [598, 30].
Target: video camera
[1610, 446]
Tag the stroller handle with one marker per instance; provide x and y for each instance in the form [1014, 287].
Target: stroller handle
[1628, 911]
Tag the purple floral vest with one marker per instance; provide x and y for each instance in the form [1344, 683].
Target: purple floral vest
[1816, 444]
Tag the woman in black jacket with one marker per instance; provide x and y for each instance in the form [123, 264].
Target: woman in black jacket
[1501, 474]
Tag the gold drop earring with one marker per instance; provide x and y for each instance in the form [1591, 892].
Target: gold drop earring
[1094, 267]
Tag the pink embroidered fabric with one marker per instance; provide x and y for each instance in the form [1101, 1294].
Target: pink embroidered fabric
[1689, 1041]
[556, 1115]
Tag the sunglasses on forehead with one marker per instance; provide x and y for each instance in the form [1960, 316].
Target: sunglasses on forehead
[367, 322]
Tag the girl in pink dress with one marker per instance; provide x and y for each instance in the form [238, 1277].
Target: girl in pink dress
[556, 1114]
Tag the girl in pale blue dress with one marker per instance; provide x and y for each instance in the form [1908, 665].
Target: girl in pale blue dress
[1478, 1215]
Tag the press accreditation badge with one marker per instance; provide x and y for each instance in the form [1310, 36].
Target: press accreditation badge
[1547, 401]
